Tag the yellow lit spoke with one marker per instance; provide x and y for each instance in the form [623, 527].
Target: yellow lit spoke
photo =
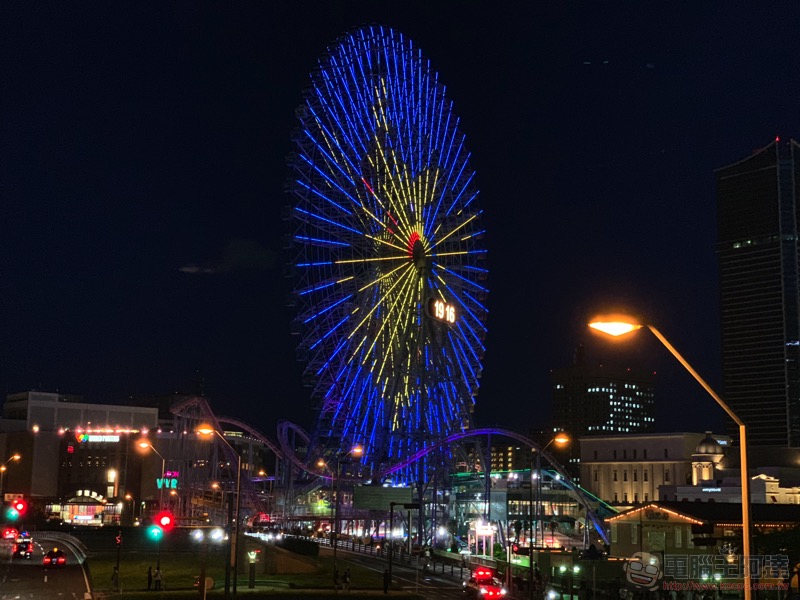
[440, 240]
[394, 348]
[377, 305]
[345, 261]
[382, 277]
[402, 299]
[460, 252]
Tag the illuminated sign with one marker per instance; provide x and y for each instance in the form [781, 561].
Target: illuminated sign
[712, 489]
[168, 483]
[88, 437]
[441, 311]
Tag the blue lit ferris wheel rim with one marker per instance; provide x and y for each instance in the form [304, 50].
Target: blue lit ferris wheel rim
[386, 218]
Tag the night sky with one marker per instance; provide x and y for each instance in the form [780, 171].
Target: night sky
[143, 161]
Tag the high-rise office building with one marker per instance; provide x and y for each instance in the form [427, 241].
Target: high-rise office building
[757, 248]
[601, 399]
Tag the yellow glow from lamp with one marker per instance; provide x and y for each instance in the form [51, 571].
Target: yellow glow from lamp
[615, 326]
[205, 429]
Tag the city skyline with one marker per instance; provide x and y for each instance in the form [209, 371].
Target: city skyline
[144, 163]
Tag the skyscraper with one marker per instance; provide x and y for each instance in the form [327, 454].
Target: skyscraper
[757, 248]
[601, 399]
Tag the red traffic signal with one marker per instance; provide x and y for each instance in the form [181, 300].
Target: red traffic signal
[165, 520]
[20, 505]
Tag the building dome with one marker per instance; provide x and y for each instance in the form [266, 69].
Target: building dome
[708, 445]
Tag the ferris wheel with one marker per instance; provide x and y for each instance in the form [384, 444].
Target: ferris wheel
[388, 252]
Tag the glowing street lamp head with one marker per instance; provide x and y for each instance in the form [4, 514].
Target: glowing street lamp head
[357, 450]
[143, 444]
[16, 457]
[562, 438]
[615, 325]
[205, 429]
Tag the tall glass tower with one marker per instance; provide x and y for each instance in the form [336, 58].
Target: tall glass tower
[757, 248]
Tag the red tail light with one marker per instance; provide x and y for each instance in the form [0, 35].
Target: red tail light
[61, 559]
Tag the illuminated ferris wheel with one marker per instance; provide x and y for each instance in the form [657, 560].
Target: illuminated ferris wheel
[389, 264]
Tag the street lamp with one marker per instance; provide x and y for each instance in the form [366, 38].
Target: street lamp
[3, 469]
[618, 325]
[233, 539]
[130, 498]
[559, 439]
[177, 497]
[203, 536]
[356, 450]
[144, 444]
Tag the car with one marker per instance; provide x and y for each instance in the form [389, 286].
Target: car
[23, 549]
[55, 558]
[484, 584]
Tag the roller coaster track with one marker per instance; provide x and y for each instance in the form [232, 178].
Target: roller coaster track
[198, 407]
[563, 478]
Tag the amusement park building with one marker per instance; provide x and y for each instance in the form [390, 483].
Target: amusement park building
[76, 456]
[83, 462]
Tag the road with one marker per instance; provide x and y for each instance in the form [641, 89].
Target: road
[27, 579]
[430, 586]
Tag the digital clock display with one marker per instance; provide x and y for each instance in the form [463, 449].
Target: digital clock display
[441, 311]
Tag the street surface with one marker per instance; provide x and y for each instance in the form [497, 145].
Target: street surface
[405, 575]
[27, 578]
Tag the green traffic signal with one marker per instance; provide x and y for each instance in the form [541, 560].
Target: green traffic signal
[11, 513]
[155, 533]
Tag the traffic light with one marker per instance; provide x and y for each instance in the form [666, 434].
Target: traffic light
[521, 550]
[16, 509]
[154, 532]
[165, 520]
[20, 505]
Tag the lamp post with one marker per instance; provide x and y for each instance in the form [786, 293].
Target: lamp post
[144, 444]
[3, 469]
[617, 325]
[177, 497]
[233, 539]
[356, 450]
[559, 439]
[130, 498]
[203, 535]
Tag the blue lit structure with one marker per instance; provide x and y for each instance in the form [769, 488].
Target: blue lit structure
[388, 262]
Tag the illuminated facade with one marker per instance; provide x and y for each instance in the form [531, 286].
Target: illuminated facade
[76, 456]
[632, 469]
[680, 528]
[757, 248]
